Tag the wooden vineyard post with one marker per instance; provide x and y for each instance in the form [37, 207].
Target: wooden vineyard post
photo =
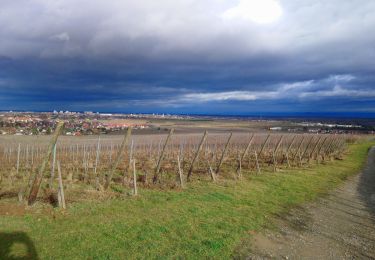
[157, 169]
[300, 158]
[11, 177]
[27, 157]
[326, 149]
[288, 150]
[291, 143]
[313, 150]
[274, 161]
[287, 159]
[307, 147]
[212, 173]
[32, 157]
[246, 151]
[96, 175]
[130, 163]
[53, 166]
[20, 193]
[275, 152]
[239, 167]
[256, 162]
[320, 149]
[196, 155]
[264, 145]
[85, 164]
[299, 147]
[180, 172]
[278, 144]
[60, 193]
[18, 159]
[131, 151]
[38, 176]
[223, 154]
[118, 158]
[110, 153]
[135, 190]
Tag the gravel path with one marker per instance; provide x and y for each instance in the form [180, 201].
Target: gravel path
[339, 226]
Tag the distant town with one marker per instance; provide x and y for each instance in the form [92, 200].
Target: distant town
[76, 123]
[89, 123]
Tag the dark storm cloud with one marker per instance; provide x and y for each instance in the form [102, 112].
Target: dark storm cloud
[181, 56]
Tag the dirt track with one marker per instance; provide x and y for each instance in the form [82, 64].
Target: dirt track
[339, 226]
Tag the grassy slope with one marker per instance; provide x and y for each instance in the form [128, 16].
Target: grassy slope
[206, 220]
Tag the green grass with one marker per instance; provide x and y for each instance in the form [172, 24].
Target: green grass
[204, 221]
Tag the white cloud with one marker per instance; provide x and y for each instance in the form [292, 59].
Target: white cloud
[164, 28]
[323, 88]
[338, 91]
[64, 37]
[231, 95]
[296, 85]
[341, 78]
[258, 11]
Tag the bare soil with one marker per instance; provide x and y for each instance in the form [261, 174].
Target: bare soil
[12, 210]
[338, 226]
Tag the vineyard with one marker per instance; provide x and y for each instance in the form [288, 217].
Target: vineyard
[118, 164]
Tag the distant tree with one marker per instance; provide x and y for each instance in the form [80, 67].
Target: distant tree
[49, 131]
[35, 131]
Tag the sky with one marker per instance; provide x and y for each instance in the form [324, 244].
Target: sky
[239, 57]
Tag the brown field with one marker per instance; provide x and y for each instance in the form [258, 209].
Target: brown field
[217, 125]
[88, 160]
